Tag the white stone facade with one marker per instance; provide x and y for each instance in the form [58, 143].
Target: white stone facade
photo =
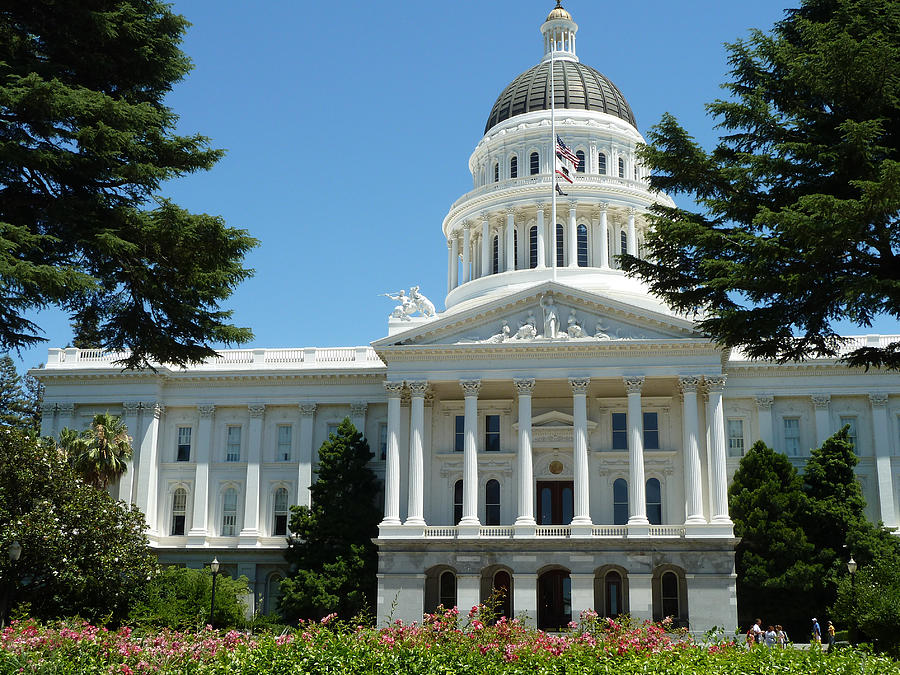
[555, 430]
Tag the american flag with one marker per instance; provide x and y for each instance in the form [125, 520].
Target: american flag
[563, 151]
[567, 161]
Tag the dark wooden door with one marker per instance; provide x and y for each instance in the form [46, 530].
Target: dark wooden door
[555, 502]
[554, 600]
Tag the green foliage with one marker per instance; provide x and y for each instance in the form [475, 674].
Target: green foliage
[82, 553]
[871, 603]
[331, 547]
[100, 453]
[14, 402]
[797, 224]
[179, 598]
[86, 143]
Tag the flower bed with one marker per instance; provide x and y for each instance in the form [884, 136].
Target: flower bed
[440, 644]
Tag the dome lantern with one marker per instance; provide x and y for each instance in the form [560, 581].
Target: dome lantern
[559, 34]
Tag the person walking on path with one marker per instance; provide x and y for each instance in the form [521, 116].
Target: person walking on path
[757, 631]
[816, 632]
[781, 637]
[770, 637]
[830, 630]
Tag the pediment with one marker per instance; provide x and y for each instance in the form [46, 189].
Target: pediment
[547, 313]
[553, 429]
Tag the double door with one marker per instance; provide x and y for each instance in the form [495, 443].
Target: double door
[555, 504]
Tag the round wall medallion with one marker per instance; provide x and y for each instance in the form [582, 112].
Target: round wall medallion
[556, 467]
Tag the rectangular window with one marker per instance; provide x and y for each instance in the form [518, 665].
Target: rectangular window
[382, 440]
[331, 429]
[619, 431]
[792, 436]
[233, 444]
[229, 513]
[651, 431]
[285, 440]
[492, 433]
[459, 436]
[851, 432]
[179, 512]
[735, 438]
[184, 445]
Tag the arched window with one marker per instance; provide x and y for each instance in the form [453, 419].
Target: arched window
[496, 172]
[535, 162]
[582, 246]
[623, 242]
[613, 589]
[532, 247]
[457, 502]
[447, 590]
[513, 167]
[279, 528]
[515, 249]
[560, 246]
[654, 502]
[273, 593]
[229, 512]
[620, 502]
[492, 503]
[621, 168]
[179, 511]
[670, 595]
[601, 163]
[580, 156]
[502, 589]
[635, 173]
[496, 254]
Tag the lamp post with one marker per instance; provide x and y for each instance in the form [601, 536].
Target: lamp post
[214, 568]
[14, 550]
[851, 567]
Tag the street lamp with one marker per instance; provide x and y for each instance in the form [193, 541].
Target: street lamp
[851, 567]
[14, 550]
[214, 568]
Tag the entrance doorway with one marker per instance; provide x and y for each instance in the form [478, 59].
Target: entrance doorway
[555, 502]
[554, 600]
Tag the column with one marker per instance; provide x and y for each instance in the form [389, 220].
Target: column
[632, 234]
[202, 451]
[449, 266]
[250, 530]
[48, 415]
[718, 506]
[467, 252]
[594, 260]
[486, 258]
[581, 522]
[637, 503]
[501, 247]
[304, 469]
[572, 236]
[823, 428]
[149, 465]
[65, 417]
[525, 523]
[454, 264]
[591, 159]
[604, 237]
[416, 504]
[392, 464]
[510, 239]
[358, 411]
[882, 436]
[541, 237]
[693, 495]
[130, 410]
[470, 525]
[764, 408]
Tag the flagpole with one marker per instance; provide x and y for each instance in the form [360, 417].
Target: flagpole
[553, 156]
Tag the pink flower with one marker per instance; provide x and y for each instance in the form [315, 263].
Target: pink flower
[328, 619]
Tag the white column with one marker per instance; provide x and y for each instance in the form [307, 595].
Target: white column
[581, 522]
[254, 459]
[541, 237]
[715, 386]
[501, 247]
[823, 427]
[454, 262]
[525, 523]
[149, 465]
[416, 504]
[510, 240]
[637, 503]
[594, 259]
[449, 266]
[693, 495]
[392, 464]
[486, 258]
[304, 470]
[203, 451]
[882, 427]
[130, 410]
[469, 525]
[467, 252]
[604, 237]
[358, 410]
[572, 236]
[764, 408]
[65, 417]
[632, 234]
[591, 159]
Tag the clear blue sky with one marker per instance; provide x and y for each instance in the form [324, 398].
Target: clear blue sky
[348, 126]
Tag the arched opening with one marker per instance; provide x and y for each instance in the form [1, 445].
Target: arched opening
[621, 168]
[229, 512]
[279, 526]
[601, 163]
[496, 172]
[513, 167]
[554, 600]
[179, 511]
[582, 245]
[515, 249]
[440, 588]
[496, 254]
[654, 501]
[620, 502]
[623, 242]
[447, 590]
[535, 163]
[273, 593]
[496, 589]
[532, 247]
[492, 502]
[669, 588]
[457, 502]
[580, 156]
[560, 246]
[612, 591]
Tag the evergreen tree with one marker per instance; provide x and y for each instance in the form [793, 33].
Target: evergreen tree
[14, 404]
[34, 401]
[798, 223]
[330, 547]
[85, 145]
[100, 453]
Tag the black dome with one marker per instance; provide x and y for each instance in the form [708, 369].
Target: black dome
[576, 85]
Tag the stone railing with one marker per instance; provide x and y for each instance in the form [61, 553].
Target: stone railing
[252, 359]
[555, 531]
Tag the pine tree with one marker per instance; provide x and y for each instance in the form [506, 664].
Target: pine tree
[331, 545]
[14, 404]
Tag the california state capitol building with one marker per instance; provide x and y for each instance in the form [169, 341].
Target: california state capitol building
[555, 430]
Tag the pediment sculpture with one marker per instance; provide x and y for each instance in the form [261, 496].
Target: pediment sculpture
[411, 304]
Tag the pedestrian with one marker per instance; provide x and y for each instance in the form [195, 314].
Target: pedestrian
[816, 632]
[830, 630]
[757, 631]
[770, 637]
[781, 637]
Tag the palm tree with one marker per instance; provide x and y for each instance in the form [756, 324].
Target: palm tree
[101, 453]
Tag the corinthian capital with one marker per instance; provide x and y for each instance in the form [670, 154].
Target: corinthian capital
[470, 387]
[633, 384]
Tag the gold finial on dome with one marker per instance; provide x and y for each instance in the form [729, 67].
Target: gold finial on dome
[558, 12]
